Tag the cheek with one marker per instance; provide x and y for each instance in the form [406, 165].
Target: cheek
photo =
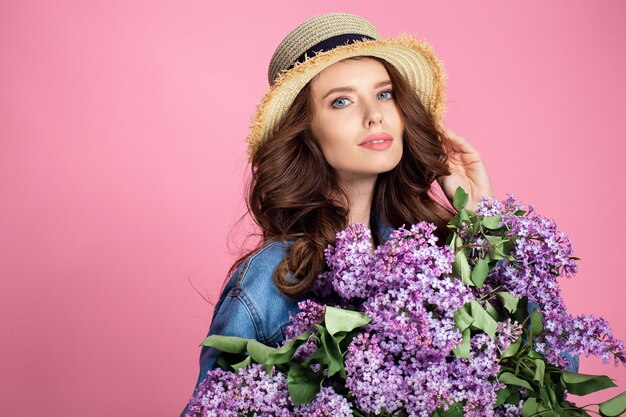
[331, 138]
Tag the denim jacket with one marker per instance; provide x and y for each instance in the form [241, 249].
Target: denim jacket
[251, 306]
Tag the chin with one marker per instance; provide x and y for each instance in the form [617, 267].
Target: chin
[384, 166]
[387, 163]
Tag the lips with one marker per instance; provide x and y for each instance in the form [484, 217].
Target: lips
[376, 138]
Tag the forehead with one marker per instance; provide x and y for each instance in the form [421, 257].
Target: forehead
[349, 72]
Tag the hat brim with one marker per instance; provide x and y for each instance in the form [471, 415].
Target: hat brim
[414, 59]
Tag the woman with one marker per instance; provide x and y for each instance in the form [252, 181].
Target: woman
[350, 134]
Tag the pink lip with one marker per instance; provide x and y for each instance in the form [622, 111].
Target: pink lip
[379, 146]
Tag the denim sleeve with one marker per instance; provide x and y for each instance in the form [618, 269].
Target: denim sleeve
[232, 318]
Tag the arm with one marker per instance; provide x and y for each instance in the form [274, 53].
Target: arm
[232, 318]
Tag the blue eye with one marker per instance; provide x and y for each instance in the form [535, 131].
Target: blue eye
[387, 92]
[339, 107]
[388, 96]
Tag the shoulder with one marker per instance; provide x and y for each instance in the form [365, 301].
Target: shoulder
[268, 307]
[263, 261]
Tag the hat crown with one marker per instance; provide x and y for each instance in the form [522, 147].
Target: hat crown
[312, 32]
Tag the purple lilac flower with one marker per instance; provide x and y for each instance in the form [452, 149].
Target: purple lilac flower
[509, 410]
[265, 395]
[473, 379]
[508, 332]
[579, 335]
[489, 206]
[250, 390]
[399, 315]
[406, 253]
[403, 361]
[542, 254]
[429, 387]
[373, 377]
[310, 313]
[327, 403]
[350, 262]
[214, 396]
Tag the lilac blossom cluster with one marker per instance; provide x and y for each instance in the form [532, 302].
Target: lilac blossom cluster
[252, 391]
[404, 361]
[310, 313]
[542, 254]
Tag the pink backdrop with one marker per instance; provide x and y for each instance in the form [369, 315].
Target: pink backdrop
[122, 154]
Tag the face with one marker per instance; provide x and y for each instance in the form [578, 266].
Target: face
[356, 120]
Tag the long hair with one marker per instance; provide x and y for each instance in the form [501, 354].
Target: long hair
[294, 195]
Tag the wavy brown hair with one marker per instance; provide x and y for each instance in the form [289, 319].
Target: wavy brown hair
[294, 194]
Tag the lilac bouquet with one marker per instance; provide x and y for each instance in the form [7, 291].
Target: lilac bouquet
[474, 327]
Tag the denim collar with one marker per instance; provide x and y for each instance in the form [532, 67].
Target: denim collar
[378, 224]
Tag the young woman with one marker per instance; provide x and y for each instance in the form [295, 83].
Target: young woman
[349, 132]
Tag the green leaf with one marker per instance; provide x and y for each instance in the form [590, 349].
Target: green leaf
[464, 216]
[302, 384]
[582, 384]
[492, 222]
[482, 319]
[501, 396]
[462, 268]
[497, 315]
[454, 410]
[319, 356]
[510, 302]
[495, 240]
[454, 222]
[521, 313]
[357, 413]
[334, 354]
[536, 325]
[451, 241]
[513, 349]
[259, 352]
[463, 318]
[616, 406]
[540, 369]
[341, 320]
[509, 378]
[480, 272]
[463, 350]
[495, 247]
[460, 198]
[530, 407]
[223, 363]
[507, 246]
[284, 353]
[230, 344]
[242, 364]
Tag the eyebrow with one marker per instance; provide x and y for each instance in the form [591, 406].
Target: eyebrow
[352, 89]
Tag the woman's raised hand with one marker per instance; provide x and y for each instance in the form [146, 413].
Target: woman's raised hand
[467, 170]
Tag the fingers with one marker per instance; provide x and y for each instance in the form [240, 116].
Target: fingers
[459, 143]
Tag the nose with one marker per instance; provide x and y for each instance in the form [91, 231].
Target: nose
[373, 114]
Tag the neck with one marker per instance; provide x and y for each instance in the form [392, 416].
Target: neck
[360, 192]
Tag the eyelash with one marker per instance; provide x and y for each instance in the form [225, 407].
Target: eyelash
[345, 98]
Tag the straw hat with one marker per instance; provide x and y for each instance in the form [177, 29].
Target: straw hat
[326, 39]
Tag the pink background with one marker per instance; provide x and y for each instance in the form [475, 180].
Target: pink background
[122, 159]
